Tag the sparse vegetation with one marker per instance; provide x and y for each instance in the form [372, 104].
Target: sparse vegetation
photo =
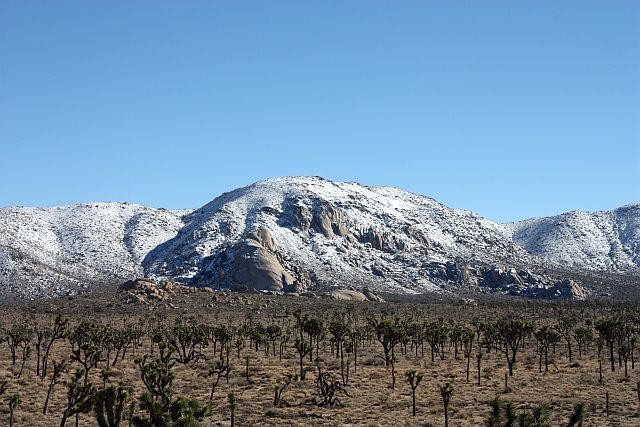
[168, 367]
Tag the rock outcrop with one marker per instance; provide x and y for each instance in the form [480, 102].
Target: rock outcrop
[145, 291]
[329, 220]
[256, 264]
[355, 295]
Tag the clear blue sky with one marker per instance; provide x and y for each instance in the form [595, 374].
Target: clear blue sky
[511, 109]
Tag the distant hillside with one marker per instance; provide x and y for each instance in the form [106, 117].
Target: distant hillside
[603, 241]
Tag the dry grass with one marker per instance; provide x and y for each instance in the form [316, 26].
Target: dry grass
[372, 401]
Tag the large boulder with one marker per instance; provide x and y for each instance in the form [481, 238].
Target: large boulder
[256, 264]
[354, 295]
[567, 289]
[348, 295]
[372, 296]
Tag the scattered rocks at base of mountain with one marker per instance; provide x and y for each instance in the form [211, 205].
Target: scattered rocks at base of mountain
[147, 291]
[355, 295]
[508, 280]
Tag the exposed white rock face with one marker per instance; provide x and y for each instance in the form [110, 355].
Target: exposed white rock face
[604, 241]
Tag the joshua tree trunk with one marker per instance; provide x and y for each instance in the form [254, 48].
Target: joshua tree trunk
[413, 395]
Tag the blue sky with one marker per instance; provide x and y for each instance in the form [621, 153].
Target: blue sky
[511, 109]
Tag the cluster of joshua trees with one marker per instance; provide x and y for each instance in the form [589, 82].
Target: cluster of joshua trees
[88, 351]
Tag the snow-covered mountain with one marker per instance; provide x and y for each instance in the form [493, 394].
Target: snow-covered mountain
[52, 250]
[302, 233]
[324, 232]
[602, 241]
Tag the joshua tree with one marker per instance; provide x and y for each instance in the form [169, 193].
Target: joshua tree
[41, 334]
[539, 417]
[88, 355]
[339, 330]
[26, 352]
[224, 335]
[467, 336]
[58, 332]
[446, 391]
[303, 348]
[109, 404]
[578, 416]
[414, 379]
[609, 330]
[232, 407]
[389, 334]
[314, 329]
[436, 335]
[510, 335]
[356, 336]
[625, 352]
[565, 327]
[217, 371]
[496, 412]
[187, 339]
[583, 336]
[14, 401]
[277, 398]
[179, 412]
[273, 332]
[505, 414]
[157, 376]
[18, 336]
[546, 337]
[58, 369]
[79, 396]
[329, 387]
[240, 340]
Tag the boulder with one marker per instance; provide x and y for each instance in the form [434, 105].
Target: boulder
[571, 289]
[371, 296]
[254, 262]
[348, 295]
[354, 295]
[263, 236]
[258, 267]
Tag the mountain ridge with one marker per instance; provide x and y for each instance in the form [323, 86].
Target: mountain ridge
[310, 232]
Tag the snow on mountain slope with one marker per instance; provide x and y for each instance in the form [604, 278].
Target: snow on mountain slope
[51, 249]
[299, 232]
[328, 232]
[603, 241]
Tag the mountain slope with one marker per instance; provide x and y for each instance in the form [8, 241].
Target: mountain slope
[326, 233]
[602, 241]
[45, 250]
[301, 233]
